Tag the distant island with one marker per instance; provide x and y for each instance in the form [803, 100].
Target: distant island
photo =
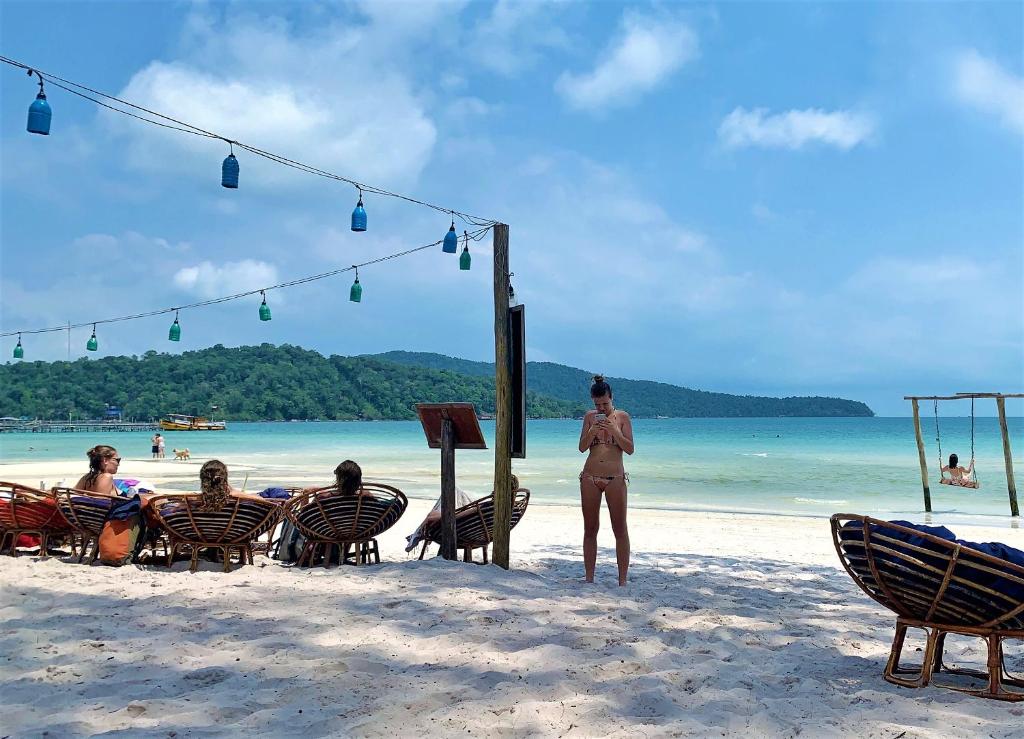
[268, 382]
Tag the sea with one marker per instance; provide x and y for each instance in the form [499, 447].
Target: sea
[790, 466]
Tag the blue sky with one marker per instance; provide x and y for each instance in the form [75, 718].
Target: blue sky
[759, 198]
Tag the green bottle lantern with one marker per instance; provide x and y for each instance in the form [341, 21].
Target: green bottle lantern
[19, 352]
[465, 259]
[92, 345]
[356, 293]
[175, 333]
[264, 308]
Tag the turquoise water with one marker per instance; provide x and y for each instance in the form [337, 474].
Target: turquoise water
[804, 466]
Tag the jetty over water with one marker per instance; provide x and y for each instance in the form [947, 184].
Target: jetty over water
[63, 427]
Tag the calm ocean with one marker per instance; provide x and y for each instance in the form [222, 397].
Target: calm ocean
[803, 466]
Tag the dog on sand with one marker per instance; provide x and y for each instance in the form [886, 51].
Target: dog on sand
[182, 454]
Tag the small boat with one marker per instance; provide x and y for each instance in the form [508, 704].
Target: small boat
[180, 422]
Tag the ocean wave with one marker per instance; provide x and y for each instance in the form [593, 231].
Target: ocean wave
[820, 501]
[753, 454]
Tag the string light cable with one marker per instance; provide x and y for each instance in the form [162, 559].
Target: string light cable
[476, 235]
[165, 121]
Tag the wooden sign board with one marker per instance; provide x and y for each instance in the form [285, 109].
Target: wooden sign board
[464, 421]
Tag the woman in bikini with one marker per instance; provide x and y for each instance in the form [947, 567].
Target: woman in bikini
[607, 433]
[103, 463]
[958, 475]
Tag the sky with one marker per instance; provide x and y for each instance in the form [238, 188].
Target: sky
[754, 198]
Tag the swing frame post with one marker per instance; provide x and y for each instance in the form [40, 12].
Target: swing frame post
[921, 458]
[1011, 484]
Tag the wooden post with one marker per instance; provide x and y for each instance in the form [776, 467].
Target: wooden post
[448, 489]
[1011, 484]
[502, 401]
[921, 458]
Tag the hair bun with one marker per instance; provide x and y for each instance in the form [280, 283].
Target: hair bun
[598, 378]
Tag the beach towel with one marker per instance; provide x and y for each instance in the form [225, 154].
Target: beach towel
[275, 494]
[126, 487]
[123, 533]
[461, 498]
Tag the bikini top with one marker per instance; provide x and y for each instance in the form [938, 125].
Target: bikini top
[598, 440]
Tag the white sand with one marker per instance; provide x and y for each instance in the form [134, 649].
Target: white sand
[732, 625]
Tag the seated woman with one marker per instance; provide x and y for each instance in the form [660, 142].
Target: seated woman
[461, 498]
[348, 479]
[103, 464]
[958, 475]
[214, 487]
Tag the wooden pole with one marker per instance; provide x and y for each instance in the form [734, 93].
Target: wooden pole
[502, 401]
[448, 489]
[921, 458]
[1011, 484]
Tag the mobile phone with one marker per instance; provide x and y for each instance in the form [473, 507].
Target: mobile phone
[600, 417]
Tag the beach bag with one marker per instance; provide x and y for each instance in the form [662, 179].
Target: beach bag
[124, 532]
[290, 545]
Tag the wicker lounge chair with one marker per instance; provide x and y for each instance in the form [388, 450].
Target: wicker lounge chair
[25, 510]
[326, 518]
[935, 583]
[86, 512]
[474, 525]
[236, 526]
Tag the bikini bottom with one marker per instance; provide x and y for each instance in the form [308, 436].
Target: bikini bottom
[601, 482]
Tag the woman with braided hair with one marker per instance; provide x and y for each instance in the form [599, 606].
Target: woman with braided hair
[213, 486]
[103, 464]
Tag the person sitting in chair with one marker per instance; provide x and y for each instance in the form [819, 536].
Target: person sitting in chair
[103, 464]
[958, 475]
[213, 486]
[461, 498]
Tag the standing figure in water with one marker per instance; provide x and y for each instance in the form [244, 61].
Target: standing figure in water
[607, 433]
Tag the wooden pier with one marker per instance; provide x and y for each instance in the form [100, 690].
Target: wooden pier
[65, 427]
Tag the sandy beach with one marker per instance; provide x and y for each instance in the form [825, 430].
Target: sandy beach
[734, 625]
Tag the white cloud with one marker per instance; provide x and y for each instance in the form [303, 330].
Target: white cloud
[794, 128]
[514, 35]
[984, 84]
[648, 50]
[129, 243]
[207, 280]
[330, 97]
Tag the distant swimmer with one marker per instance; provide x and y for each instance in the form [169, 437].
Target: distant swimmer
[607, 433]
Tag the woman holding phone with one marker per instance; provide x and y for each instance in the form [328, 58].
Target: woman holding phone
[607, 433]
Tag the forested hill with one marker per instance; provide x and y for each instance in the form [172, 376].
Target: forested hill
[286, 382]
[642, 398]
[246, 384]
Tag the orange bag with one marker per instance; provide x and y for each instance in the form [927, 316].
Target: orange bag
[123, 533]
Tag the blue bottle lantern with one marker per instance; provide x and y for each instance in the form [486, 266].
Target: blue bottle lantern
[356, 293]
[359, 214]
[175, 333]
[229, 171]
[39, 112]
[451, 239]
[264, 308]
[92, 345]
[465, 259]
[19, 352]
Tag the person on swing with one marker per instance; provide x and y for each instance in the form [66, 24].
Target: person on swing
[959, 475]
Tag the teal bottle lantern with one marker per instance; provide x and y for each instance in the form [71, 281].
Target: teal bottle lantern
[19, 352]
[39, 112]
[356, 293]
[92, 345]
[451, 240]
[229, 171]
[175, 333]
[465, 259]
[264, 308]
[359, 215]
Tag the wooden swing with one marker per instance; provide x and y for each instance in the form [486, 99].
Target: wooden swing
[963, 482]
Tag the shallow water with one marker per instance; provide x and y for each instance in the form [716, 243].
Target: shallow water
[801, 466]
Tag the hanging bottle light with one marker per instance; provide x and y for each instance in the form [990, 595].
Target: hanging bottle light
[356, 293]
[229, 170]
[359, 214]
[465, 259]
[512, 302]
[175, 333]
[39, 112]
[19, 352]
[451, 239]
[264, 308]
[92, 345]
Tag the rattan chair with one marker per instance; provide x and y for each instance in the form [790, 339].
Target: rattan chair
[474, 525]
[25, 510]
[352, 523]
[942, 587]
[86, 512]
[241, 521]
